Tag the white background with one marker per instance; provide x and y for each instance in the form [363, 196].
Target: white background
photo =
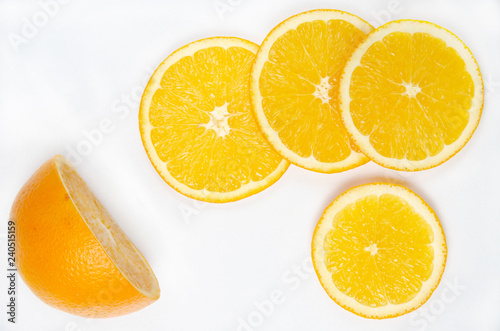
[78, 69]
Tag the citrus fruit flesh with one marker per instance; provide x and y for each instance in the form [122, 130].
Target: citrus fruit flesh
[197, 127]
[294, 88]
[71, 253]
[411, 95]
[379, 250]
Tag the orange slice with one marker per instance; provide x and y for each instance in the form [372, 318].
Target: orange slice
[294, 88]
[379, 250]
[197, 127]
[411, 95]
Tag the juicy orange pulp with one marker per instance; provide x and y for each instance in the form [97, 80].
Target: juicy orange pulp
[299, 87]
[411, 78]
[201, 117]
[379, 250]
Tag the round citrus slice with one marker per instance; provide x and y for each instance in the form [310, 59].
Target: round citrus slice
[197, 127]
[379, 250]
[71, 253]
[411, 95]
[294, 88]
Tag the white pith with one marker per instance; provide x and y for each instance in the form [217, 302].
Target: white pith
[411, 90]
[219, 121]
[118, 247]
[373, 249]
[322, 90]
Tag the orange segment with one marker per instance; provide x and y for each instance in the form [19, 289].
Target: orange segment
[379, 250]
[197, 127]
[70, 251]
[294, 88]
[411, 95]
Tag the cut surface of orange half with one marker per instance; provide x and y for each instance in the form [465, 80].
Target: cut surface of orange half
[197, 127]
[71, 253]
[411, 95]
[294, 88]
[379, 250]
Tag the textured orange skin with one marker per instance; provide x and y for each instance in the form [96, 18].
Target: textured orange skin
[59, 258]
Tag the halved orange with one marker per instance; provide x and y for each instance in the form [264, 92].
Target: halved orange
[71, 253]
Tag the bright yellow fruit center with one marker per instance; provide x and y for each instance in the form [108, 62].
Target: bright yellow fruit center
[411, 95]
[379, 250]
